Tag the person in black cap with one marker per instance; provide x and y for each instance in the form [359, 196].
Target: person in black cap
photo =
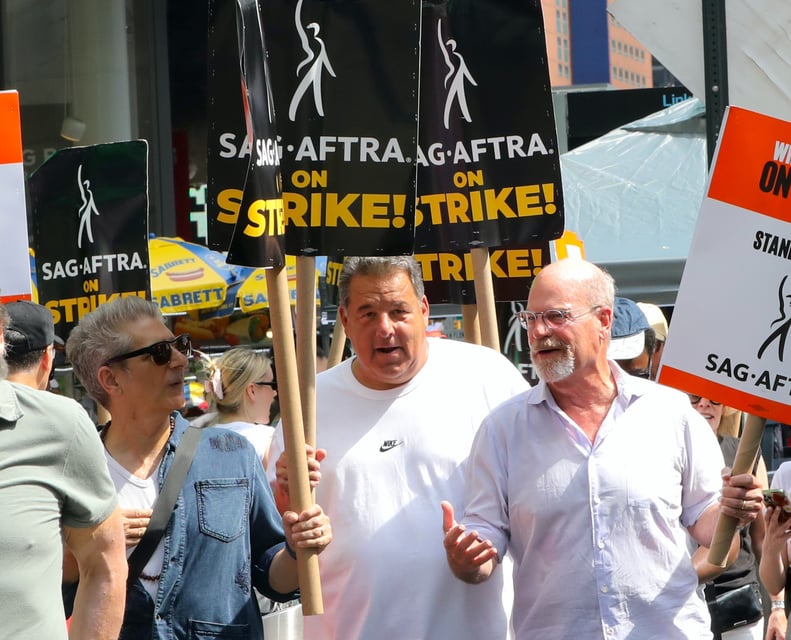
[30, 344]
[56, 496]
[633, 341]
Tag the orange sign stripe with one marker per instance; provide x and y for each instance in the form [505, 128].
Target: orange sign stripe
[10, 128]
[7, 299]
[746, 402]
[746, 161]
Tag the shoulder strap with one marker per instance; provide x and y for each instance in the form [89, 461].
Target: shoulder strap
[163, 507]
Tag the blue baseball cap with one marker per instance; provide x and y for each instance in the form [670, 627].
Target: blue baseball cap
[627, 336]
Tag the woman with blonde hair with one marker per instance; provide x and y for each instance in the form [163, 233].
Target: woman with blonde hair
[241, 389]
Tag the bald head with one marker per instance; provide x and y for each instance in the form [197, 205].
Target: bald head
[579, 282]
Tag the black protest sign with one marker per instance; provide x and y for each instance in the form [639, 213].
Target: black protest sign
[345, 84]
[90, 228]
[489, 171]
[259, 234]
[449, 278]
[228, 147]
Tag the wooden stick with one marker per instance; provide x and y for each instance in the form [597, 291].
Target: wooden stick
[293, 433]
[338, 343]
[306, 344]
[749, 443]
[469, 319]
[484, 296]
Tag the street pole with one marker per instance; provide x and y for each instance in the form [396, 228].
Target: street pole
[715, 64]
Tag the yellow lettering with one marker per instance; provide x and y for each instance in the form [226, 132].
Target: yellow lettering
[230, 199]
[376, 210]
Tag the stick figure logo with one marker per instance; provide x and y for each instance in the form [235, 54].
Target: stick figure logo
[316, 62]
[458, 74]
[87, 208]
[783, 323]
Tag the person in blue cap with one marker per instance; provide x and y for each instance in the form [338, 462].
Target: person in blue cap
[632, 340]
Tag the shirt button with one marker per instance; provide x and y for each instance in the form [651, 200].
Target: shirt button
[596, 500]
[601, 545]
[605, 589]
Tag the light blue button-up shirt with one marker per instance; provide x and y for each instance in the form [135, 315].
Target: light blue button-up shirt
[598, 531]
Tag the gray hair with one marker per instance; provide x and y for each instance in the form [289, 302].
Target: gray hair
[601, 288]
[100, 335]
[378, 266]
[238, 367]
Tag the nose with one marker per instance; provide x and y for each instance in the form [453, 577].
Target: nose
[384, 325]
[539, 330]
[178, 359]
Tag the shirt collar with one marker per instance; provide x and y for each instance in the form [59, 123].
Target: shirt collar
[629, 387]
[10, 410]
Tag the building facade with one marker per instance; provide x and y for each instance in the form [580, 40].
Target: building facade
[586, 46]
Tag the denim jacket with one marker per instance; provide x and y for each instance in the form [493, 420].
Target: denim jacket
[219, 543]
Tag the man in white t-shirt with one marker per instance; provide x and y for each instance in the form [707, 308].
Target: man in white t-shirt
[397, 421]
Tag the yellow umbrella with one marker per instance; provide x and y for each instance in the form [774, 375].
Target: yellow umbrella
[187, 276]
[252, 292]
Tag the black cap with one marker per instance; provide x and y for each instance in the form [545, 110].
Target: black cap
[31, 327]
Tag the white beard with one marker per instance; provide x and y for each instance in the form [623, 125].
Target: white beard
[559, 368]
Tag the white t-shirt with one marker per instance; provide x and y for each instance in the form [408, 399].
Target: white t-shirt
[392, 456]
[259, 435]
[139, 493]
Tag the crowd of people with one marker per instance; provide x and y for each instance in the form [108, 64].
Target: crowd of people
[452, 500]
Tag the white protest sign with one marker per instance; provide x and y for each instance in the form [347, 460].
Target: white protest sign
[728, 337]
[14, 258]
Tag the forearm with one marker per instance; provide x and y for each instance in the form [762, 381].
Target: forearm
[283, 576]
[99, 603]
[772, 569]
[706, 570]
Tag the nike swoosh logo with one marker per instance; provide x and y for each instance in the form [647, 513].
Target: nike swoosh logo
[389, 444]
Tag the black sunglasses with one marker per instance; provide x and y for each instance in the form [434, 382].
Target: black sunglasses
[267, 383]
[160, 352]
[693, 399]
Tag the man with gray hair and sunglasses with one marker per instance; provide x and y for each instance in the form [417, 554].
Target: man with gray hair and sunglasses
[55, 490]
[593, 480]
[224, 535]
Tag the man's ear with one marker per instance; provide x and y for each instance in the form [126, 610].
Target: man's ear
[47, 362]
[107, 380]
[343, 316]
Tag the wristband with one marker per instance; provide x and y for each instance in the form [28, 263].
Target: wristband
[778, 604]
[293, 554]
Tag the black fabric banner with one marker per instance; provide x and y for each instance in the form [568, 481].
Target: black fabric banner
[90, 228]
[228, 146]
[259, 236]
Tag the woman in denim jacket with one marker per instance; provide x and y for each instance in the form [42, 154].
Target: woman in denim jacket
[226, 536]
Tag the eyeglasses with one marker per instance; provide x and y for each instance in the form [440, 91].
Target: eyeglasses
[267, 383]
[160, 352]
[693, 399]
[553, 318]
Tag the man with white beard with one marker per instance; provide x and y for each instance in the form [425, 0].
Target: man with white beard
[592, 480]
